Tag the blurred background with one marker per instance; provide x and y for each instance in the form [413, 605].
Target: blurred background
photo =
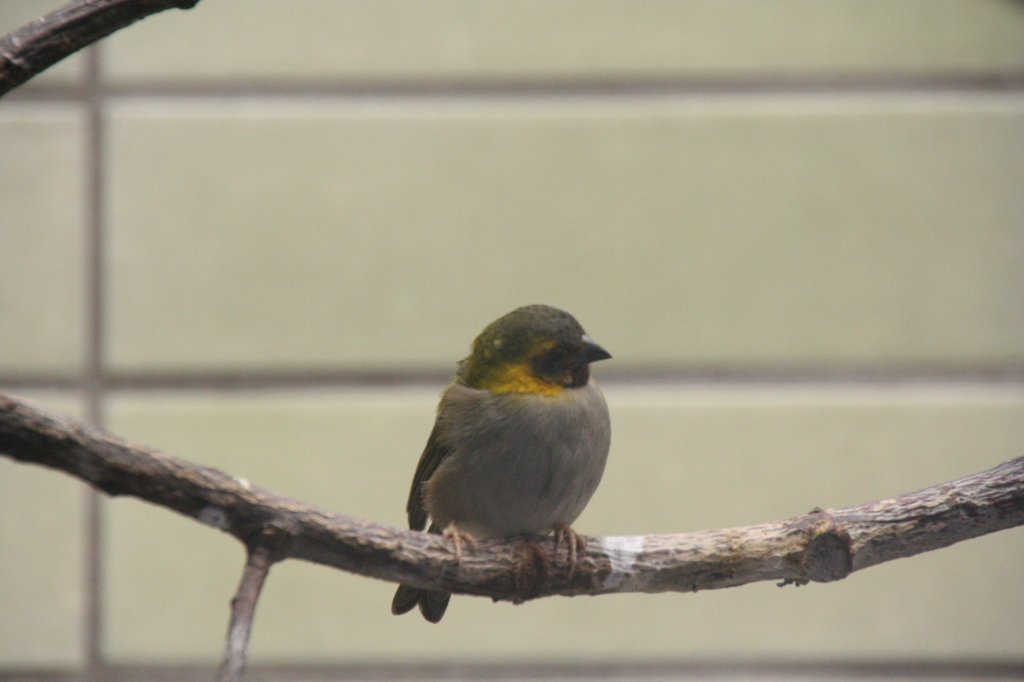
[258, 235]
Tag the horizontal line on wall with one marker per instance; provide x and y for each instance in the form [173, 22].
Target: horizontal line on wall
[611, 86]
[696, 375]
[724, 670]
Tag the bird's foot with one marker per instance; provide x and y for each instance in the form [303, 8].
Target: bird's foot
[574, 545]
[531, 570]
[458, 538]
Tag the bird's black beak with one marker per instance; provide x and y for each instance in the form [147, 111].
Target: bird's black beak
[593, 352]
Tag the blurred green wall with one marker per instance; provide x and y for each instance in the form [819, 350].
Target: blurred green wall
[798, 226]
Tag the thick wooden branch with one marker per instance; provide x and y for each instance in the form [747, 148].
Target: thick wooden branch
[821, 546]
[37, 46]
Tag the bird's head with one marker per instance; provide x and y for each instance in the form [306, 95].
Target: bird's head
[533, 349]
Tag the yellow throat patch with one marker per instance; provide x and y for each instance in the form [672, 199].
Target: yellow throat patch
[519, 378]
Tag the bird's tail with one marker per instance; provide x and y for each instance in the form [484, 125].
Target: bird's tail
[432, 603]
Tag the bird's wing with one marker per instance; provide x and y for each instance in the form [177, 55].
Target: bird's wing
[433, 454]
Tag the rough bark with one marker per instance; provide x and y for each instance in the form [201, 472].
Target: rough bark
[821, 546]
[38, 45]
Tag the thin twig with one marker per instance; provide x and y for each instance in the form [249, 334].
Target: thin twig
[258, 560]
[38, 45]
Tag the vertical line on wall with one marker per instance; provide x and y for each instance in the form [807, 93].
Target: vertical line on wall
[94, 364]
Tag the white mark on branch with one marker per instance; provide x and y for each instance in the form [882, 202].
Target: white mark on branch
[244, 482]
[622, 552]
[214, 516]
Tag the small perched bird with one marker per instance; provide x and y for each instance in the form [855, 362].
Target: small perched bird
[519, 444]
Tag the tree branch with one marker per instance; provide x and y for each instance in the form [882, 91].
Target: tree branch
[37, 46]
[821, 546]
[258, 561]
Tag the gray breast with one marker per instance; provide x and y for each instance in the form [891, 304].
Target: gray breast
[527, 464]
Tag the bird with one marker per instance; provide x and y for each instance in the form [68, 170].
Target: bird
[519, 443]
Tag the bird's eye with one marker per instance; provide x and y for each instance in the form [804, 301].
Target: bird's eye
[548, 362]
[555, 356]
